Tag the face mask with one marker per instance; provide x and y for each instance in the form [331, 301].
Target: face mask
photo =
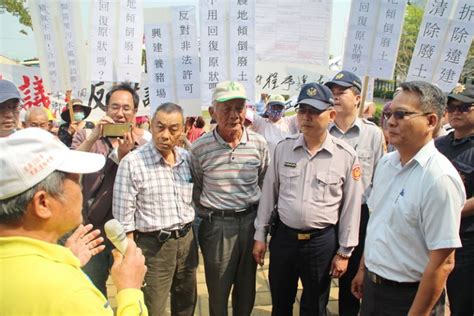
[79, 116]
[275, 114]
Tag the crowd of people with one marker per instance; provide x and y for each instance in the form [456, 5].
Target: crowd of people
[395, 228]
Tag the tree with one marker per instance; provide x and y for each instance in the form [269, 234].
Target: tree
[411, 26]
[16, 8]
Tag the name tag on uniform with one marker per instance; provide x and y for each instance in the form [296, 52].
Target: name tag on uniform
[289, 164]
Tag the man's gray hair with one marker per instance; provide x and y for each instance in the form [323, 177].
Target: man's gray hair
[169, 107]
[432, 99]
[14, 207]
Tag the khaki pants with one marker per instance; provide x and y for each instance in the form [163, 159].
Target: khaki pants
[226, 245]
[171, 269]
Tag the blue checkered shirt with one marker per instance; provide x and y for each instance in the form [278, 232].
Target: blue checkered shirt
[150, 194]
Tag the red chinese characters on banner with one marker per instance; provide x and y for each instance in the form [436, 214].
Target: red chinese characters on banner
[35, 96]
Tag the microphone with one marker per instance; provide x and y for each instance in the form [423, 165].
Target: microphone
[116, 234]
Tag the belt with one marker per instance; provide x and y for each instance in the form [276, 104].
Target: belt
[304, 234]
[377, 279]
[163, 234]
[214, 213]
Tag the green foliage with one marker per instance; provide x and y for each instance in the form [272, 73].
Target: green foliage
[411, 26]
[16, 8]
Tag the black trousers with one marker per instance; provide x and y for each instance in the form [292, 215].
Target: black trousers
[461, 281]
[349, 305]
[309, 260]
[387, 300]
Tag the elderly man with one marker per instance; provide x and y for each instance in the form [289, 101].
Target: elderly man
[229, 164]
[153, 201]
[121, 106]
[368, 141]
[40, 200]
[416, 203]
[37, 117]
[458, 147]
[9, 107]
[312, 184]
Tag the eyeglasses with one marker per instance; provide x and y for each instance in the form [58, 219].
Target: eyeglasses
[461, 108]
[400, 114]
[302, 110]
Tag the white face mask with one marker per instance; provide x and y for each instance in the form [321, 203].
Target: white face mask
[79, 116]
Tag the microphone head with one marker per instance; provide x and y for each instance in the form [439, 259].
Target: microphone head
[113, 228]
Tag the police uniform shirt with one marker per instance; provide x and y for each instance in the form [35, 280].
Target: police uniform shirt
[415, 208]
[368, 141]
[313, 191]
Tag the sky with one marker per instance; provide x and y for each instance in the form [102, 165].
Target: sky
[18, 46]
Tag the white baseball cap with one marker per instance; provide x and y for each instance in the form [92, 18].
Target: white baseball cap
[30, 155]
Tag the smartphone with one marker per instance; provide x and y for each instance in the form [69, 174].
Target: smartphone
[116, 130]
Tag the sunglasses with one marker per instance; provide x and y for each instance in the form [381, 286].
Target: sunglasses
[461, 108]
[309, 109]
[400, 114]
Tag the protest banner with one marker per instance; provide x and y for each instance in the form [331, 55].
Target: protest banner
[293, 44]
[130, 40]
[433, 30]
[242, 44]
[214, 48]
[45, 21]
[455, 47]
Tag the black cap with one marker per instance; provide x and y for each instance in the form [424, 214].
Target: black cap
[463, 93]
[316, 95]
[345, 79]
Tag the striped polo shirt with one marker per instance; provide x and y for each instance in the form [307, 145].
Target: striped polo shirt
[227, 178]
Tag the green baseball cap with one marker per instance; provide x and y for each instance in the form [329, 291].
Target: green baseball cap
[228, 90]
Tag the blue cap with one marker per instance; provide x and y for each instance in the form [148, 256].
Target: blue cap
[316, 95]
[345, 79]
[8, 91]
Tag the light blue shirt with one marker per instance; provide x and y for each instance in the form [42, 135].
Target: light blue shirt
[415, 208]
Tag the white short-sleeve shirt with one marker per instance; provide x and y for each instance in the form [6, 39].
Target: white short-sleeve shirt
[415, 208]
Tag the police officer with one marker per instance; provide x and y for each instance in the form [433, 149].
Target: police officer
[367, 140]
[313, 183]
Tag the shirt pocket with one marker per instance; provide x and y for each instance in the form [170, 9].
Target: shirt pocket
[404, 215]
[327, 187]
[185, 191]
[366, 160]
[289, 178]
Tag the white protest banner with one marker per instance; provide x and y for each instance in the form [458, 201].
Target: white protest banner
[359, 36]
[280, 78]
[186, 63]
[213, 49]
[433, 30]
[102, 39]
[73, 43]
[387, 39]
[29, 83]
[44, 18]
[456, 46]
[159, 61]
[242, 44]
[293, 31]
[128, 65]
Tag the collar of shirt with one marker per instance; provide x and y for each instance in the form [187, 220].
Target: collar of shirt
[357, 124]
[23, 246]
[243, 140]
[327, 144]
[158, 157]
[460, 141]
[421, 157]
